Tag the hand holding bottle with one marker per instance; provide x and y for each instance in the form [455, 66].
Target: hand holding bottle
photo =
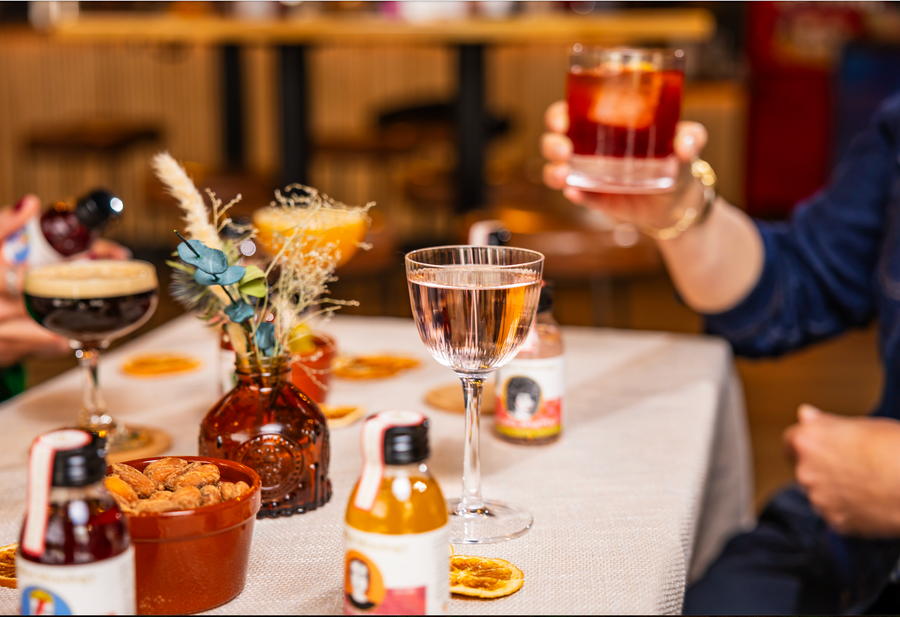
[20, 336]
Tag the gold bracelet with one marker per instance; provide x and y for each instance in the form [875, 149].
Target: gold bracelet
[701, 170]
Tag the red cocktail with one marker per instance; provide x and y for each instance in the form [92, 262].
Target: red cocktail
[623, 108]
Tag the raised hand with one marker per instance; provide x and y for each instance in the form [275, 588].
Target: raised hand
[656, 211]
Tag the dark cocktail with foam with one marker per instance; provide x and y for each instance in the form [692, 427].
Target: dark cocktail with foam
[91, 303]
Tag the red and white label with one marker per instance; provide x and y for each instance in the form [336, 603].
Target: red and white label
[373, 452]
[531, 397]
[404, 574]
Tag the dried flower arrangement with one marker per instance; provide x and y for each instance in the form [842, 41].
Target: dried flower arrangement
[261, 318]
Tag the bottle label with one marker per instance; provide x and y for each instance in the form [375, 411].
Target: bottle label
[101, 588]
[28, 245]
[530, 397]
[406, 574]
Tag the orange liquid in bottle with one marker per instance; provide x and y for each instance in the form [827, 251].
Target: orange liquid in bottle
[425, 510]
[396, 537]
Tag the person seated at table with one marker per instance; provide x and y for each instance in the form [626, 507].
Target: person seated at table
[20, 336]
[831, 544]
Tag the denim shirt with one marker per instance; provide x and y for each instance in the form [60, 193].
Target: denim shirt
[835, 264]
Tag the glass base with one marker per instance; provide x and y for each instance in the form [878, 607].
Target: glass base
[120, 438]
[608, 174]
[496, 522]
[125, 439]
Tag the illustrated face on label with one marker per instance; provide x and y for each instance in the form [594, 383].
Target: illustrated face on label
[359, 582]
[364, 585]
[523, 396]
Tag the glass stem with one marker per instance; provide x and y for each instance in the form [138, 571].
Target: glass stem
[471, 495]
[93, 408]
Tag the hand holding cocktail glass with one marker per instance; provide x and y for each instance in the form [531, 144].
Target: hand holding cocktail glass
[615, 145]
[652, 210]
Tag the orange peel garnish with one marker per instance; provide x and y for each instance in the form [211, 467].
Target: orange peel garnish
[160, 363]
[372, 367]
[482, 577]
[8, 565]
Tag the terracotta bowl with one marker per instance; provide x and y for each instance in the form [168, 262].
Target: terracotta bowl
[194, 560]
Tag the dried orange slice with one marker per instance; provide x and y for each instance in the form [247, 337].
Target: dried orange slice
[8, 565]
[342, 415]
[372, 367]
[157, 364]
[484, 578]
[336, 412]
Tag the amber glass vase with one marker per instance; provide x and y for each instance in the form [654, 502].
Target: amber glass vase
[266, 423]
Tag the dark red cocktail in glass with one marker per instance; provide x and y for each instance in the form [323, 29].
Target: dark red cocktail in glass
[623, 108]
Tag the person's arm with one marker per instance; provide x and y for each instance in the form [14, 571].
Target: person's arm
[714, 265]
[773, 288]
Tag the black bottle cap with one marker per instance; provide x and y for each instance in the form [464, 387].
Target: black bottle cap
[97, 207]
[406, 444]
[545, 303]
[82, 465]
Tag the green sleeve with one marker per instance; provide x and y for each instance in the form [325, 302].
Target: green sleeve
[12, 381]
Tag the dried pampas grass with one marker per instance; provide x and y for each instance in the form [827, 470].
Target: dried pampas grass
[197, 224]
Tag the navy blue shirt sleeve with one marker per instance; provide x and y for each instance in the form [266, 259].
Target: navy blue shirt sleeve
[819, 274]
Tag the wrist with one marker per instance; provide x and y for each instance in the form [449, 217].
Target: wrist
[693, 199]
[694, 205]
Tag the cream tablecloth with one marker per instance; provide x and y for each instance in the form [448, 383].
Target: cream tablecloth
[651, 476]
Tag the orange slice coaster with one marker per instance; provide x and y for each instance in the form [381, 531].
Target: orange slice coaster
[484, 578]
[160, 364]
[8, 566]
[372, 367]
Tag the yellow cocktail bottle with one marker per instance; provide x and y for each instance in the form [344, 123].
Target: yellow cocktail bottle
[396, 537]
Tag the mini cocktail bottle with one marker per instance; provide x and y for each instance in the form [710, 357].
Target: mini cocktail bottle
[75, 555]
[531, 389]
[67, 228]
[396, 537]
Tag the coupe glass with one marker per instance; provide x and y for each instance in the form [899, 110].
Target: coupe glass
[332, 230]
[474, 306]
[91, 303]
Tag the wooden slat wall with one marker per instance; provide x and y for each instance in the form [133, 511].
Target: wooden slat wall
[43, 81]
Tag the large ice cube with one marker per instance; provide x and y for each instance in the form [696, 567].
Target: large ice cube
[627, 99]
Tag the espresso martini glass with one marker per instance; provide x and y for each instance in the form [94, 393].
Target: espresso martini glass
[92, 303]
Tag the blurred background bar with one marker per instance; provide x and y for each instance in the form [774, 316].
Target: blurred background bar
[435, 111]
[467, 37]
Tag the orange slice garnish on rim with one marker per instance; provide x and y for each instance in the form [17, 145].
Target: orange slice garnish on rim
[8, 565]
[484, 578]
[158, 364]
